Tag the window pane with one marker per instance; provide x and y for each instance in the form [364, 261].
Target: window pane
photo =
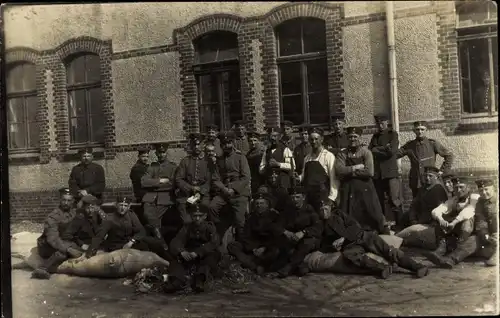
[92, 68]
[472, 12]
[290, 78]
[15, 112]
[233, 113]
[21, 78]
[317, 75]
[76, 103]
[292, 109]
[95, 101]
[318, 108]
[97, 124]
[17, 136]
[314, 35]
[231, 86]
[289, 37]
[207, 88]
[215, 47]
[479, 75]
[78, 128]
[465, 76]
[75, 70]
[34, 134]
[210, 114]
[32, 108]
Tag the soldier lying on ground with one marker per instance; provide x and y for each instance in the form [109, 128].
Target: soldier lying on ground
[257, 249]
[455, 220]
[301, 231]
[484, 243]
[51, 246]
[196, 245]
[342, 232]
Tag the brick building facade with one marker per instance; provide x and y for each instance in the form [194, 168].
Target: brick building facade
[118, 76]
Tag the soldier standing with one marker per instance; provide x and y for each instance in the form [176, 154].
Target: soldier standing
[337, 140]
[231, 181]
[193, 177]
[384, 146]
[287, 137]
[254, 156]
[87, 177]
[158, 182]
[50, 244]
[138, 170]
[422, 152]
[241, 140]
[212, 132]
[302, 150]
[486, 222]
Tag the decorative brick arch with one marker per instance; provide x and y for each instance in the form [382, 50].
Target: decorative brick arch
[215, 22]
[333, 15]
[22, 54]
[83, 44]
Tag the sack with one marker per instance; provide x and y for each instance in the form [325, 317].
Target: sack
[392, 240]
[419, 235]
[319, 262]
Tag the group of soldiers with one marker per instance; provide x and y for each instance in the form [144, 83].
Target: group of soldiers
[283, 199]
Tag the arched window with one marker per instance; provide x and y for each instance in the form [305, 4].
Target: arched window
[86, 117]
[22, 107]
[218, 79]
[303, 72]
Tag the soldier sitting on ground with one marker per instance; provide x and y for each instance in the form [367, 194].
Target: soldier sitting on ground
[50, 245]
[257, 249]
[196, 245]
[344, 233]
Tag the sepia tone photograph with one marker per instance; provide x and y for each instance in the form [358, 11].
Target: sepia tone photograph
[219, 159]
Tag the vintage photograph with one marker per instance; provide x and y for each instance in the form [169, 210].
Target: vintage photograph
[191, 159]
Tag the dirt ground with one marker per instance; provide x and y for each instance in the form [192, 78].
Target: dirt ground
[470, 289]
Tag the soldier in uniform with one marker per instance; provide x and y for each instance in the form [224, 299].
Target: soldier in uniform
[302, 150]
[256, 249]
[50, 244]
[287, 137]
[455, 224]
[277, 158]
[196, 245]
[192, 177]
[300, 231]
[337, 140]
[231, 180]
[486, 222]
[158, 182]
[254, 156]
[241, 141]
[138, 170]
[343, 233]
[87, 177]
[358, 196]
[384, 145]
[422, 152]
[212, 133]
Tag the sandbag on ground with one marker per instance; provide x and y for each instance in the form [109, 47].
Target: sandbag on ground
[419, 235]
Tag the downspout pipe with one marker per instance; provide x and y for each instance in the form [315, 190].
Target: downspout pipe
[393, 83]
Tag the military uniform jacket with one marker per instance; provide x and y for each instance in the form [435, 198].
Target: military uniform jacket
[192, 171]
[336, 142]
[423, 153]
[136, 173]
[427, 200]
[299, 154]
[303, 219]
[384, 147]
[254, 157]
[161, 194]
[120, 229]
[233, 172]
[486, 218]
[261, 229]
[241, 144]
[199, 238]
[87, 177]
[82, 229]
[55, 225]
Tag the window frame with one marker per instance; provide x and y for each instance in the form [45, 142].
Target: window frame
[302, 59]
[86, 86]
[32, 93]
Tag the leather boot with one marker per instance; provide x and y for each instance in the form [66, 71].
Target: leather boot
[464, 250]
[492, 261]
[49, 266]
[158, 235]
[383, 270]
[441, 248]
[409, 263]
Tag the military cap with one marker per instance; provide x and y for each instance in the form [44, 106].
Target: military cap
[448, 175]
[297, 190]
[381, 117]
[64, 191]
[195, 138]
[354, 131]
[431, 169]
[419, 123]
[304, 127]
[212, 127]
[253, 134]
[162, 147]
[123, 199]
[337, 117]
[89, 199]
[263, 189]
[482, 183]
[457, 181]
[85, 150]
[271, 129]
[240, 122]
[226, 137]
[315, 130]
[143, 149]
[286, 123]
[262, 195]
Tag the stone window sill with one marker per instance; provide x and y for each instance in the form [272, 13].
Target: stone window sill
[23, 158]
[476, 124]
[72, 154]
